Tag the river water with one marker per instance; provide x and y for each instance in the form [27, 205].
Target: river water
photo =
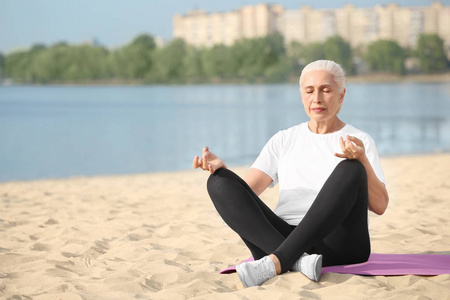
[52, 132]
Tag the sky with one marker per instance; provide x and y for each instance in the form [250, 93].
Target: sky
[115, 23]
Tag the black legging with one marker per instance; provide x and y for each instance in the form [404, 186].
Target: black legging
[335, 226]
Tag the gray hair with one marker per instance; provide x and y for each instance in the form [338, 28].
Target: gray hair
[331, 67]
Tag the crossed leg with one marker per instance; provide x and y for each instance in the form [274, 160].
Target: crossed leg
[335, 225]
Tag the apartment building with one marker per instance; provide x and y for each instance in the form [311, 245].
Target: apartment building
[437, 20]
[358, 26]
[200, 28]
[307, 24]
[401, 24]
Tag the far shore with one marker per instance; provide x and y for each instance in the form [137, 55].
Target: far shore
[386, 77]
[367, 78]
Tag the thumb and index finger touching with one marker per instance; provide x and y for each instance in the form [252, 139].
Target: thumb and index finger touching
[349, 145]
[203, 162]
[355, 140]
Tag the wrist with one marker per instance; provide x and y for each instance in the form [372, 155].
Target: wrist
[363, 159]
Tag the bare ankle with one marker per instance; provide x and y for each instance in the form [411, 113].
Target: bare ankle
[276, 262]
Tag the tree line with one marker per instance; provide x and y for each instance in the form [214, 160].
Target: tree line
[265, 59]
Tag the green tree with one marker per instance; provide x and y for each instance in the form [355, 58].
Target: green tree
[85, 63]
[17, 64]
[49, 64]
[168, 63]
[134, 61]
[68, 63]
[280, 71]
[254, 56]
[59, 62]
[337, 49]
[219, 61]
[37, 48]
[311, 52]
[294, 57]
[386, 55]
[193, 64]
[240, 54]
[274, 49]
[248, 54]
[2, 64]
[13, 64]
[275, 62]
[145, 41]
[431, 54]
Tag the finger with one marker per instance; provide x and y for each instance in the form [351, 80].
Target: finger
[200, 164]
[351, 147]
[357, 145]
[205, 160]
[347, 143]
[344, 149]
[195, 162]
[205, 149]
[342, 144]
[355, 140]
[340, 155]
[211, 169]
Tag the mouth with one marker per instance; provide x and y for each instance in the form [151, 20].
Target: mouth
[317, 109]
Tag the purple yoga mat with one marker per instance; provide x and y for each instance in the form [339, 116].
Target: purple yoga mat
[389, 265]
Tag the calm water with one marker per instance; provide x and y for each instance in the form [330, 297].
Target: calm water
[66, 131]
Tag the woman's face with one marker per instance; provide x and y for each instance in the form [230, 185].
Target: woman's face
[320, 96]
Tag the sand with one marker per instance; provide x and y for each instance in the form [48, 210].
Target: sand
[157, 236]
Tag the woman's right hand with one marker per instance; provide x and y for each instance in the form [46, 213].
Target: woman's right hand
[209, 161]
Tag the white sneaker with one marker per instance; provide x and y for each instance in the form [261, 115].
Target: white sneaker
[310, 265]
[256, 272]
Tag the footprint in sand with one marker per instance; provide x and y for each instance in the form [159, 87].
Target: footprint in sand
[99, 248]
[40, 247]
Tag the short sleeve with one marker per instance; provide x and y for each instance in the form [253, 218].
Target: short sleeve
[374, 159]
[269, 157]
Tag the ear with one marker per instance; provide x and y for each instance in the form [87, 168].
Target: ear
[341, 99]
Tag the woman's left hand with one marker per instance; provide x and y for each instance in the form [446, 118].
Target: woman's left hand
[352, 148]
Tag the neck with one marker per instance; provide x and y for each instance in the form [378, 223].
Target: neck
[326, 127]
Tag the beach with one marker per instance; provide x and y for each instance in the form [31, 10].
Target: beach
[158, 236]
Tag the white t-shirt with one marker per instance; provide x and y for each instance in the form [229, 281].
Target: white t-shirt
[301, 161]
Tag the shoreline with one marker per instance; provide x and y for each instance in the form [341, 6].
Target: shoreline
[367, 78]
[187, 171]
[386, 77]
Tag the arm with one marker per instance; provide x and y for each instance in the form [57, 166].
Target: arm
[378, 195]
[257, 180]
[353, 148]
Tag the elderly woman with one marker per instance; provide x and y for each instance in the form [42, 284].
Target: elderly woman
[329, 174]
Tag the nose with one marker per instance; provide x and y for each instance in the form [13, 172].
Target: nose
[316, 97]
